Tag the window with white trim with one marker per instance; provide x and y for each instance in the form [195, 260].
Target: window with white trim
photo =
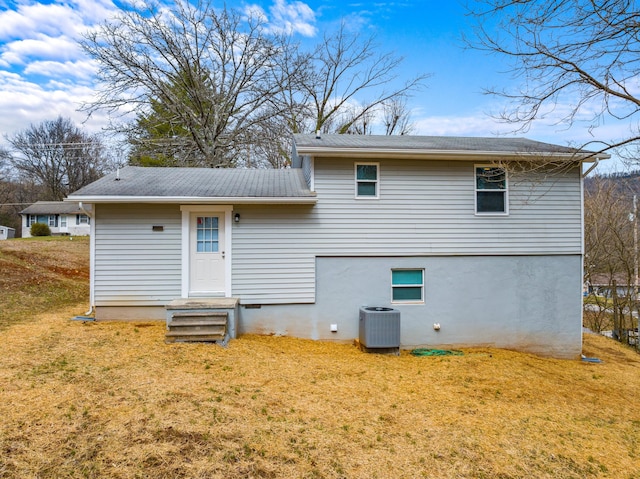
[491, 190]
[367, 180]
[63, 221]
[82, 220]
[407, 285]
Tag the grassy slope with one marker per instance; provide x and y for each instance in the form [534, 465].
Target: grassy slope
[113, 400]
[40, 274]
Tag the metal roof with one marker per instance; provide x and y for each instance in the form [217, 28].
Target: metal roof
[206, 184]
[430, 146]
[52, 208]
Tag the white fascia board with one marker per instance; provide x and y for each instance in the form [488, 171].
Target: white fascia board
[194, 200]
[462, 155]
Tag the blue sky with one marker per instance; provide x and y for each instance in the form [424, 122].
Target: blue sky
[43, 72]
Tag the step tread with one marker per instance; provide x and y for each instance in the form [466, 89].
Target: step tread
[182, 324]
[197, 314]
[172, 334]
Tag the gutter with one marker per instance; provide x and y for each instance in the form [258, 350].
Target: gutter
[430, 154]
[195, 200]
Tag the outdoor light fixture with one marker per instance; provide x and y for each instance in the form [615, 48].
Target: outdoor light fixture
[236, 218]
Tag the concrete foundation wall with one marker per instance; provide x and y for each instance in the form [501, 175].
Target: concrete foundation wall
[131, 313]
[528, 303]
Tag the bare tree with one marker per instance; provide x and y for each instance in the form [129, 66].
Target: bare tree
[610, 254]
[347, 81]
[577, 58]
[212, 71]
[396, 117]
[58, 157]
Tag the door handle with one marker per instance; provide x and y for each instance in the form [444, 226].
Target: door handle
[223, 254]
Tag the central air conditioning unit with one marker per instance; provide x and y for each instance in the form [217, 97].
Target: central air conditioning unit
[379, 328]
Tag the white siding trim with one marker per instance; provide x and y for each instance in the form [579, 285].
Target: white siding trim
[186, 210]
[92, 261]
[582, 218]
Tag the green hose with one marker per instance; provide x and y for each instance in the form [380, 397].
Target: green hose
[436, 352]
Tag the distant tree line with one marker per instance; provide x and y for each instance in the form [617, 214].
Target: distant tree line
[46, 162]
[612, 252]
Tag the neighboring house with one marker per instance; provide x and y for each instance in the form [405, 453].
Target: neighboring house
[601, 284]
[64, 218]
[7, 233]
[430, 226]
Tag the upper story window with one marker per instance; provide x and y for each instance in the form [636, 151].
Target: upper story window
[367, 180]
[491, 190]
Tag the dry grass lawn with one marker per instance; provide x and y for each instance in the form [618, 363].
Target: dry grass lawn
[113, 400]
[37, 274]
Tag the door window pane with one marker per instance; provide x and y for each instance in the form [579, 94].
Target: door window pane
[207, 234]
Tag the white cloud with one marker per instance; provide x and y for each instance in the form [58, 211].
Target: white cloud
[37, 18]
[294, 17]
[286, 17]
[43, 71]
[30, 103]
[41, 47]
[80, 70]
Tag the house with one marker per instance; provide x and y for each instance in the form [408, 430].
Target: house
[64, 218]
[470, 246]
[7, 233]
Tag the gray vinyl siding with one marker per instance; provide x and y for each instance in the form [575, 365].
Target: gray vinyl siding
[272, 259]
[429, 208]
[424, 209]
[133, 264]
[307, 169]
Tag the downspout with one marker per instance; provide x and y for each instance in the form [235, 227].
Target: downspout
[595, 163]
[91, 253]
[87, 213]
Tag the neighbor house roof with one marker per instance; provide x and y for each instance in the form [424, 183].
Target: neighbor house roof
[198, 185]
[52, 208]
[449, 147]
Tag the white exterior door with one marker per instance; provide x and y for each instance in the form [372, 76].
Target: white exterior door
[207, 254]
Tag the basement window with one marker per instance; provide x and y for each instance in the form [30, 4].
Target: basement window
[407, 285]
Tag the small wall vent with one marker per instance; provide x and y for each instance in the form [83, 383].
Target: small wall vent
[379, 327]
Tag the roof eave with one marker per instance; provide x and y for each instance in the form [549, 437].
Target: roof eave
[461, 155]
[193, 200]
